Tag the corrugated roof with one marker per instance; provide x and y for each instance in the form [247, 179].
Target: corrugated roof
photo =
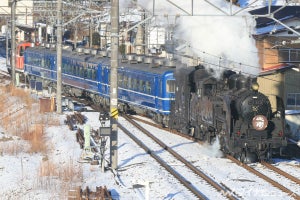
[276, 69]
[282, 14]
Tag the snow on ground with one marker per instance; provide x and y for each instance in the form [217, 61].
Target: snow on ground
[28, 175]
[209, 159]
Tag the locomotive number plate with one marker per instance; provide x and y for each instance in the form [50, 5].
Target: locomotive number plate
[259, 122]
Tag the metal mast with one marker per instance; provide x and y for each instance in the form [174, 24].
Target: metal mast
[59, 56]
[13, 42]
[114, 83]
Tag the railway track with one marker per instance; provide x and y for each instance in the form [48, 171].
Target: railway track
[283, 173]
[268, 179]
[225, 191]
[167, 129]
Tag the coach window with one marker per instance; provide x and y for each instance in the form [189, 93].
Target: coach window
[139, 85]
[89, 73]
[81, 72]
[68, 66]
[125, 82]
[48, 63]
[171, 86]
[129, 83]
[120, 79]
[67, 70]
[74, 69]
[148, 87]
[63, 66]
[43, 62]
[71, 69]
[85, 73]
[94, 72]
[108, 77]
[135, 85]
[293, 100]
[142, 86]
[78, 69]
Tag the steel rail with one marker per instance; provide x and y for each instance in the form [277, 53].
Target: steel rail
[264, 177]
[216, 185]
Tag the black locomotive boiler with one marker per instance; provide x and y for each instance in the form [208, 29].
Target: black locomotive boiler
[230, 109]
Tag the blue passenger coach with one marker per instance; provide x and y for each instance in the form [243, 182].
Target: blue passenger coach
[145, 88]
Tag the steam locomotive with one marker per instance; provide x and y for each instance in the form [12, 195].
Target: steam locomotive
[188, 99]
[229, 109]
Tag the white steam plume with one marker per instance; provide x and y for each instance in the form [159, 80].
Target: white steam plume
[213, 36]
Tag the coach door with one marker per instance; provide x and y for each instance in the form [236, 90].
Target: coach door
[157, 92]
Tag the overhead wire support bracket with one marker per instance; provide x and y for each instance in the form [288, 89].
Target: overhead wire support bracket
[131, 28]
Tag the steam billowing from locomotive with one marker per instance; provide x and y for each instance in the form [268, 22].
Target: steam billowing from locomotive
[220, 41]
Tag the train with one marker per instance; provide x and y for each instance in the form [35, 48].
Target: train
[230, 109]
[192, 100]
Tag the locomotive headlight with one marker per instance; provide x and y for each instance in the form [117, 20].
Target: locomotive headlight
[255, 86]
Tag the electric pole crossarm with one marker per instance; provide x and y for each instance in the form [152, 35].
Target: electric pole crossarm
[131, 28]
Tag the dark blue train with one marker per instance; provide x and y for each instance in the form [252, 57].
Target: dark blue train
[143, 85]
[229, 108]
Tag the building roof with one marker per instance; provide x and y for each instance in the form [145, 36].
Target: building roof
[282, 14]
[277, 69]
[266, 25]
[25, 27]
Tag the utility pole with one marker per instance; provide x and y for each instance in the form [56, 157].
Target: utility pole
[59, 56]
[114, 83]
[7, 49]
[13, 42]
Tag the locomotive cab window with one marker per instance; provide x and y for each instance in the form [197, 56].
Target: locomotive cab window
[208, 89]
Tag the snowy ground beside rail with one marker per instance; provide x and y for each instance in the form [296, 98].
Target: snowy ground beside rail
[20, 172]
